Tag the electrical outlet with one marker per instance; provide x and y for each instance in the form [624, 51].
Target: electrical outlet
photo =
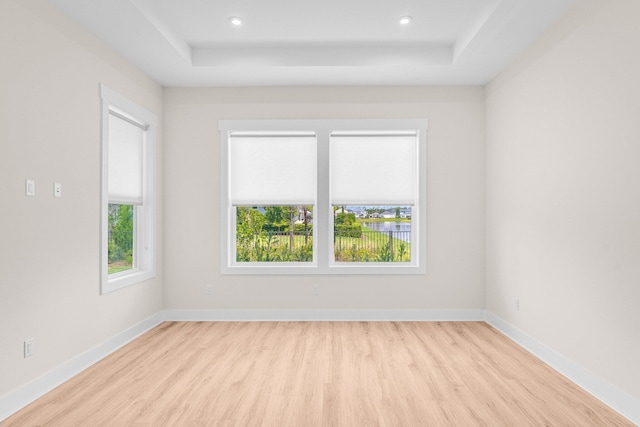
[208, 290]
[57, 189]
[315, 290]
[28, 347]
[516, 303]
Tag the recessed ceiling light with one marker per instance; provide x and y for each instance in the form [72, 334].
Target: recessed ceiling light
[235, 21]
[405, 20]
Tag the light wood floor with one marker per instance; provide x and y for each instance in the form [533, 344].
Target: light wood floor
[319, 374]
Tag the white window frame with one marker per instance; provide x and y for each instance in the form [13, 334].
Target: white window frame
[144, 217]
[323, 261]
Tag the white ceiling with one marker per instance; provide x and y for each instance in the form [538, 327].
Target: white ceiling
[325, 42]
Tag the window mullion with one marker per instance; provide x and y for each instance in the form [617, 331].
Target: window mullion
[323, 224]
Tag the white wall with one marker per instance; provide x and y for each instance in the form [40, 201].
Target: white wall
[563, 190]
[49, 248]
[455, 193]
[562, 202]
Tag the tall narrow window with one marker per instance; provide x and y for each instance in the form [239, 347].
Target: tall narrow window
[128, 208]
[126, 140]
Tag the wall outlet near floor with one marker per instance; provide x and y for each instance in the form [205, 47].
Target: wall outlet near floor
[516, 304]
[208, 290]
[28, 347]
[315, 290]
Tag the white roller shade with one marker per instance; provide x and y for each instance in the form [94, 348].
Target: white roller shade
[125, 161]
[370, 169]
[272, 169]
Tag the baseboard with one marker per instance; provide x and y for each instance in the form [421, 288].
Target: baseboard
[21, 397]
[372, 315]
[618, 400]
[615, 398]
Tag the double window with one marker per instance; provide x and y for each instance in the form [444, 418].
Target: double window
[323, 196]
[128, 208]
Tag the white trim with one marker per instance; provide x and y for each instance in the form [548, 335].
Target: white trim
[14, 401]
[370, 315]
[618, 400]
[124, 106]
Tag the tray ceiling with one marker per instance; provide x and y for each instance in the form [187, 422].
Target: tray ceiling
[332, 42]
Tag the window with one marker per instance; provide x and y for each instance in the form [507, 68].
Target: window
[323, 196]
[374, 179]
[128, 205]
[272, 187]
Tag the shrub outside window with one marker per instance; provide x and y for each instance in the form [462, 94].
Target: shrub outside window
[274, 233]
[372, 234]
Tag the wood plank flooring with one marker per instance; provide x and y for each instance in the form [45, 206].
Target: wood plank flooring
[319, 374]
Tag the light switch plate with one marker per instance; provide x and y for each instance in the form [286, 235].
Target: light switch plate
[30, 187]
[28, 348]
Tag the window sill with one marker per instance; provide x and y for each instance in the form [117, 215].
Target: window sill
[124, 279]
[334, 269]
